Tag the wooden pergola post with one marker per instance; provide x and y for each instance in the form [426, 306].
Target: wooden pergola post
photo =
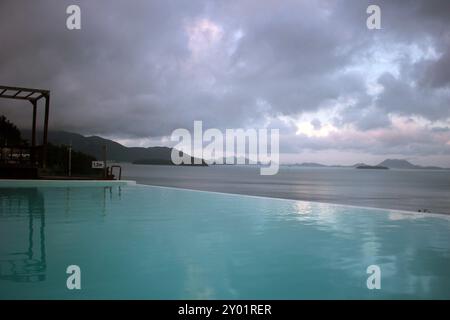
[33, 133]
[47, 107]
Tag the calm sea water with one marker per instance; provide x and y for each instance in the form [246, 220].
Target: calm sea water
[164, 243]
[393, 189]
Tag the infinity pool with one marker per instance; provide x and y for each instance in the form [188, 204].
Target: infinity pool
[163, 243]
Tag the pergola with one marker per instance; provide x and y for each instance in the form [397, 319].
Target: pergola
[33, 96]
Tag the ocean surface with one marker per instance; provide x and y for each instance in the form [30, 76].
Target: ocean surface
[410, 190]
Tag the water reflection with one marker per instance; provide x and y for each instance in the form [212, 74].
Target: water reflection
[105, 195]
[27, 264]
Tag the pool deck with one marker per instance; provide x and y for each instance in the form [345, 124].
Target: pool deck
[14, 183]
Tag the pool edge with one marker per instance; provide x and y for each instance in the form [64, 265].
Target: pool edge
[421, 214]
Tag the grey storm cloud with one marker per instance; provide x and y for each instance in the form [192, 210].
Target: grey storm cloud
[144, 68]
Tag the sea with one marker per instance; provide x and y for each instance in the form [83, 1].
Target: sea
[399, 189]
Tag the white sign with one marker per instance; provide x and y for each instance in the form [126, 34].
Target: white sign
[98, 165]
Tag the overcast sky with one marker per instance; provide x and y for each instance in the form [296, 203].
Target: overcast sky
[338, 92]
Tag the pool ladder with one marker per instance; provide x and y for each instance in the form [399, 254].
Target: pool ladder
[111, 169]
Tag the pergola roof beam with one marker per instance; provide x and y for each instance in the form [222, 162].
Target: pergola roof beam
[18, 97]
[22, 93]
[39, 97]
[23, 89]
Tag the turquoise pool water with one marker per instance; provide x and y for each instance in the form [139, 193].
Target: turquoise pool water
[162, 243]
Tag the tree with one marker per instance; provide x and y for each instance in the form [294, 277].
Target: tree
[58, 160]
[9, 133]
[57, 155]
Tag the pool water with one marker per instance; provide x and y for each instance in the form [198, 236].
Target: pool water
[165, 243]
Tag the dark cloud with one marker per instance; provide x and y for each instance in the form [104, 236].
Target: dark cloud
[141, 69]
[364, 118]
[436, 74]
[407, 98]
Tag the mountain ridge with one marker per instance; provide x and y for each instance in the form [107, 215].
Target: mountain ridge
[405, 164]
[92, 145]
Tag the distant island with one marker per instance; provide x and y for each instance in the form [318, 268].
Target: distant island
[230, 161]
[388, 164]
[167, 162]
[404, 164]
[311, 164]
[372, 167]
